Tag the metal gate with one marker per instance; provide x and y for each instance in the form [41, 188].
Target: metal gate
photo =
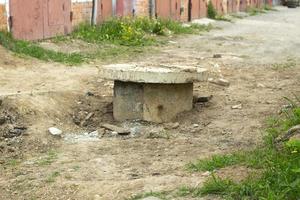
[197, 9]
[124, 8]
[57, 18]
[175, 9]
[39, 19]
[105, 10]
[243, 5]
[229, 6]
[168, 9]
[218, 6]
[232, 6]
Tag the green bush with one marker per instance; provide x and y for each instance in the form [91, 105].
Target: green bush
[211, 11]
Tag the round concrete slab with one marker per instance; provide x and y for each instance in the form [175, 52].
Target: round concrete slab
[171, 74]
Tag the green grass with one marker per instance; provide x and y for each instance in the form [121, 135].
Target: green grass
[47, 159]
[279, 169]
[289, 63]
[214, 186]
[51, 178]
[12, 162]
[223, 18]
[269, 8]
[125, 36]
[133, 31]
[34, 50]
[215, 162]
[255, 11]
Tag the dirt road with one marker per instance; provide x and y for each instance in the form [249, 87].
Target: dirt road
[259, 56]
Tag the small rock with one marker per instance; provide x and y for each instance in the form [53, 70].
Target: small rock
[207, 173]
[260, 85]
[118, 130]
[1, 101]
[90, 94]
[172, 125]
[2, 120]
[55, 131]
[86, 119]
[217, 56]
[94, 134]
[287, 106]
[202, 99]
[172, 42]
[239, 106]
[101, 132]
[15, 132]
[195, 125]
[221, 82]
[97, 197]
[151, 198]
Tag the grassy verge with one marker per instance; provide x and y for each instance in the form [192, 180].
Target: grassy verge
[34, 50]
[255, 11]
[134, 31]
[126, 36]
[280, 167]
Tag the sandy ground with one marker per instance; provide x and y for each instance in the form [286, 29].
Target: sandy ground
[260, 58]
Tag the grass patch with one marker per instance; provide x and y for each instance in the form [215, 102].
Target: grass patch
[214, 185]
[48, 159]
[238, 16]
[290, 63]
[255, 11]
[223, 18]
[125, 36]
[12, 162]
[280, 177]
[133, 31]
[34, 50]
[269, 8]
[52, 177]
[215, 162]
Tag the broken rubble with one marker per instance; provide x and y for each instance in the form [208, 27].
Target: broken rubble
[172, 125]
[2, 120]
[14, 131]
[239, 106]
[202, 99]
[86, 119]
[55, 131]
[118, 130]
[217, 56]
[83, 137]
[221, 82]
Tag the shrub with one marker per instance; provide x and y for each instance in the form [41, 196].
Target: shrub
[211, 11]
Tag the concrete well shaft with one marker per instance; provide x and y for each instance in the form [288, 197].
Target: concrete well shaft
[152, 102]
